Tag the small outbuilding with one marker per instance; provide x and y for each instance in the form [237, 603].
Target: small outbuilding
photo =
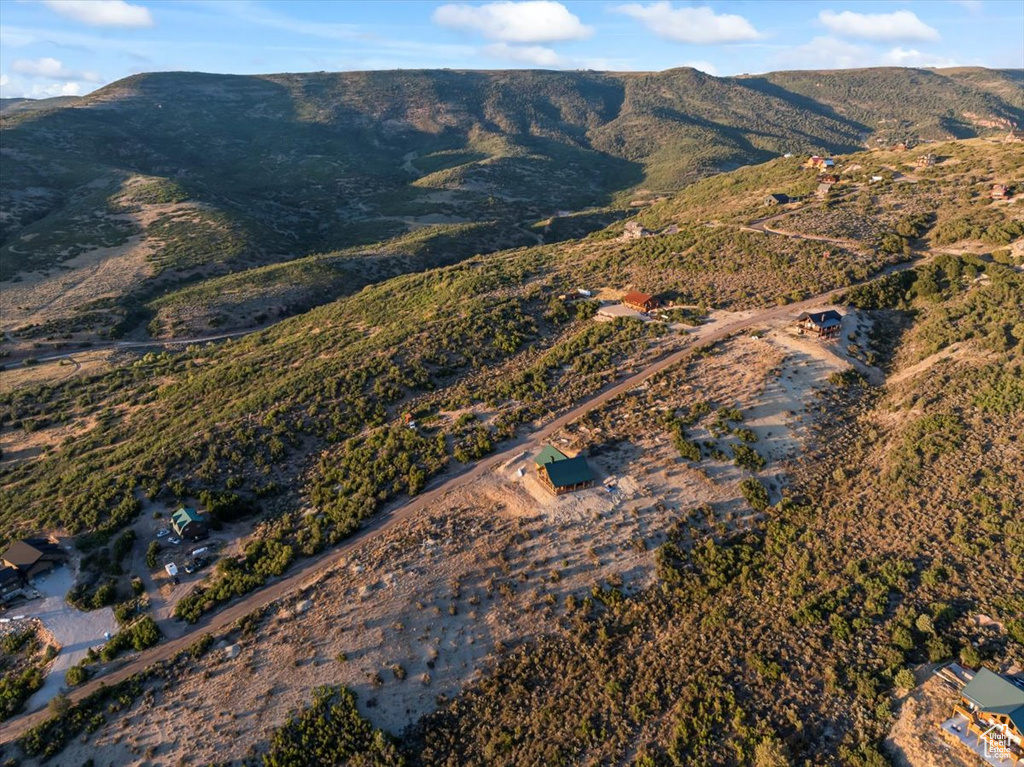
[926, 160]
[641, 301]
[828, 324]
[33, 556]
[187, 523]
[1000, 192]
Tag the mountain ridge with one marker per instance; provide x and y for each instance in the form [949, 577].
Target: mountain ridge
[203, 175]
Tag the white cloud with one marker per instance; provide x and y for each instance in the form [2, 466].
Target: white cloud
[899, 25]
[537, 55]
[902, 57]
[972, 5]
[831, 53]
[704, 66]
[14, 87]
[701, 26]
[51, 69]
[531, 21]
[823, 53]
[102, 13]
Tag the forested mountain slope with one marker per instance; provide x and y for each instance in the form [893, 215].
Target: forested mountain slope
[179, 177]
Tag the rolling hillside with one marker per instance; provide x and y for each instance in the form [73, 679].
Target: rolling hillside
[176, 178]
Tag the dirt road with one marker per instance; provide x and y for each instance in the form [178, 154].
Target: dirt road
[402, 510]
[139, 344]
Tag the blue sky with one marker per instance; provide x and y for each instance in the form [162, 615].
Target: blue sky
[55, 47]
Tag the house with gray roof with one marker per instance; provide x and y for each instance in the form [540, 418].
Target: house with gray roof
[993, 705]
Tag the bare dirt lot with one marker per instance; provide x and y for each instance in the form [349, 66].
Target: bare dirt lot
[916, 740]
[418, 612]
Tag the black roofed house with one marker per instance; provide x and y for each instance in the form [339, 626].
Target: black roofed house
[33, 556]
[828, 324]
[10, 584]
[776, 199]
[187, 523]
[561, 474]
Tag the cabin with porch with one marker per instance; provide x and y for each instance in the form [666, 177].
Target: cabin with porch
[561, 474]
[993, 706]
[828, 324]
[640, 301]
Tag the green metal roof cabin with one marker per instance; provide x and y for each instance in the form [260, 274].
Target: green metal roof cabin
[548, 455]
[561, 474]
[993, 706]
[995, 694]
[187, 523]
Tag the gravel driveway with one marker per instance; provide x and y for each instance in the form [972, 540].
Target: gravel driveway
[76, 631]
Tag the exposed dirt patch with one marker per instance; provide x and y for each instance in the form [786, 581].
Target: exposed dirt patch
[419, 612]
[915, 740]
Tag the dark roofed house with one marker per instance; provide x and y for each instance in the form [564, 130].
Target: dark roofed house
[32, 556]
[567, 476]
[640, 301]
[993, 706]
[776, 199]
[187, 523]
[824, 324]
[561, 474]
[10, 584]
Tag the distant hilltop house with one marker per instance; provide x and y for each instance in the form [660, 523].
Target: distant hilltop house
[776, 199]
[641, 301]
[823, 324]
[821, 163]
[561, 474]
[993, 706]
[33, 556]
[926, 160]
[634, 231]
[186, 522]
[1000, 192]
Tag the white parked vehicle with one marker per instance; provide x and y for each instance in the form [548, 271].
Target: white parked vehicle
[162, 533]
[174, 541]
[171, 568]
[199, 551]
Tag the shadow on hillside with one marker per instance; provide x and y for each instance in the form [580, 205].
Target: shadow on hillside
[804, 103]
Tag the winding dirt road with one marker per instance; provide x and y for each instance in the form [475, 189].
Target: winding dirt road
[402, 510]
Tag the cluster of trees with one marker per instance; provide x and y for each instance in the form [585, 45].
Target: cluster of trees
[21, 669]
[331, 731]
